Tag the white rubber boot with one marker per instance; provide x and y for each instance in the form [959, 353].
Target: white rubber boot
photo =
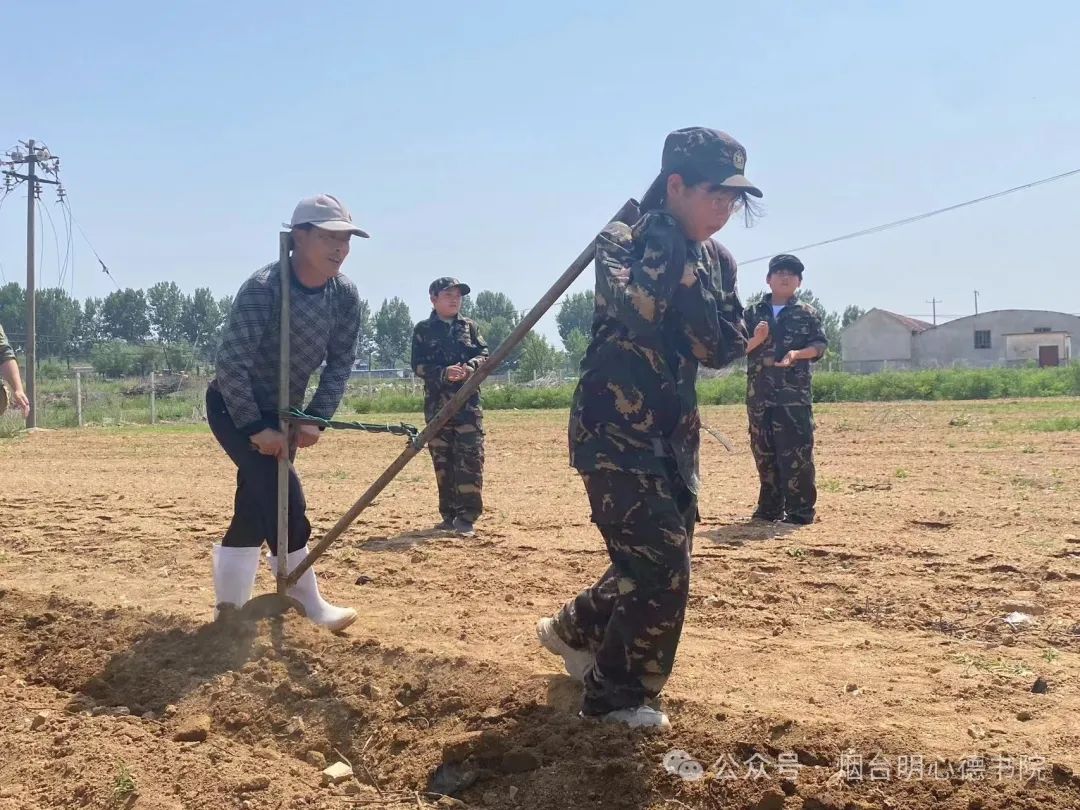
[306, 592]
[234, 575]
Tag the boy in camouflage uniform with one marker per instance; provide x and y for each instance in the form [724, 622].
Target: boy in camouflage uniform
[446, 349]
[9, 373]
[666, 302]
[787, 335]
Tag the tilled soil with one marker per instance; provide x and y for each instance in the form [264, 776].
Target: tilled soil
[862, 662]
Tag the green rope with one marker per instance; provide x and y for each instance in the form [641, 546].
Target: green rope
[299, 417]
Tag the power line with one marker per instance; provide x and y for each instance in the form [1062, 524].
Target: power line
[918, 217]
[70, 251]
[56, 242]
[4, 196]
[104, 267]
[71, 248]
[41, 238]
[61, 269]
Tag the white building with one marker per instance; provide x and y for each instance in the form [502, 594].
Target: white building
[882, 340]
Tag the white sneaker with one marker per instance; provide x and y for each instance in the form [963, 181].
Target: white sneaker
[641, 717]
[577, 662]
[234, 575]
[306, 592]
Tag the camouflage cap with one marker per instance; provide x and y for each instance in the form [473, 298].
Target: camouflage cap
[445, 283]
[785, 261]
[715, 154]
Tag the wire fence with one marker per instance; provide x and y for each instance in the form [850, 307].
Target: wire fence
[84, 398]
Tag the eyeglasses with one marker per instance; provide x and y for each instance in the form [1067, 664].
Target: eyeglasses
[728, 200]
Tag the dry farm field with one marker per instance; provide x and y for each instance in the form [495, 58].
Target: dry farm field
[918, 647]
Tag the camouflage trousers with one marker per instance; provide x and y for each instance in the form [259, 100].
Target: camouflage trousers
[782, 441]
[457, 452]
[632, 618]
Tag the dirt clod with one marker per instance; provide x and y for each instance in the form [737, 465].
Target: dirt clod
[195, 729]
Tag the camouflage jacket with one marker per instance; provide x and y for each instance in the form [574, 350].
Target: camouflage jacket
[635, 406]
[798, 326]
[6, 352]
[437, 345]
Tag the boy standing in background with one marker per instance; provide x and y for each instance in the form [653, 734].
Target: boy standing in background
[446, 349]
[786, 336]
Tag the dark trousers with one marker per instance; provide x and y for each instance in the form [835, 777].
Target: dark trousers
[782, 441]
[632, 618]
[254, 519]
[457, 453]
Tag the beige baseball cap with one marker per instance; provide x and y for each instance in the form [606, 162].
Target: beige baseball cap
[326, 212]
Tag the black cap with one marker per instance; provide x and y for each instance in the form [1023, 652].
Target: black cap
[710, 152]
[445, 283]
[785, 261]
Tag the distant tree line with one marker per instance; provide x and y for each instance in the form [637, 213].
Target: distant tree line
[135, 331]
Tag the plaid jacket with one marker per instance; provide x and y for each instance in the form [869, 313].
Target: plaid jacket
[324, 326]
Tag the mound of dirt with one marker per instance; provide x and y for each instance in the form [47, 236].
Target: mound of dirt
[118, 708]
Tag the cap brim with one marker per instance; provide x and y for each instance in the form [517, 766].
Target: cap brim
[741, 183]
[336, 225]
[465, 288]
[797, 269]
[341, 226]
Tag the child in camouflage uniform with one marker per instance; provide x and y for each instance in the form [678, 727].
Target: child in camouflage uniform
[666, 302]
[9, 373]
[787, 336]
[446, 349]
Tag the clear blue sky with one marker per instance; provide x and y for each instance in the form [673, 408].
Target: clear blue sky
[491, 142]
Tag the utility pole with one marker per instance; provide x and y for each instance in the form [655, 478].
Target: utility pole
[34, 156]
[31, 288]
[934, 302]
[976, 302]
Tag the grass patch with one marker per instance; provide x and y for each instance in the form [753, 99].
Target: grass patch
[830, 484]
[114, 403]
[124, 785]
[10, 426]
[995, 666]
[1056, 425]
[1024, 481]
